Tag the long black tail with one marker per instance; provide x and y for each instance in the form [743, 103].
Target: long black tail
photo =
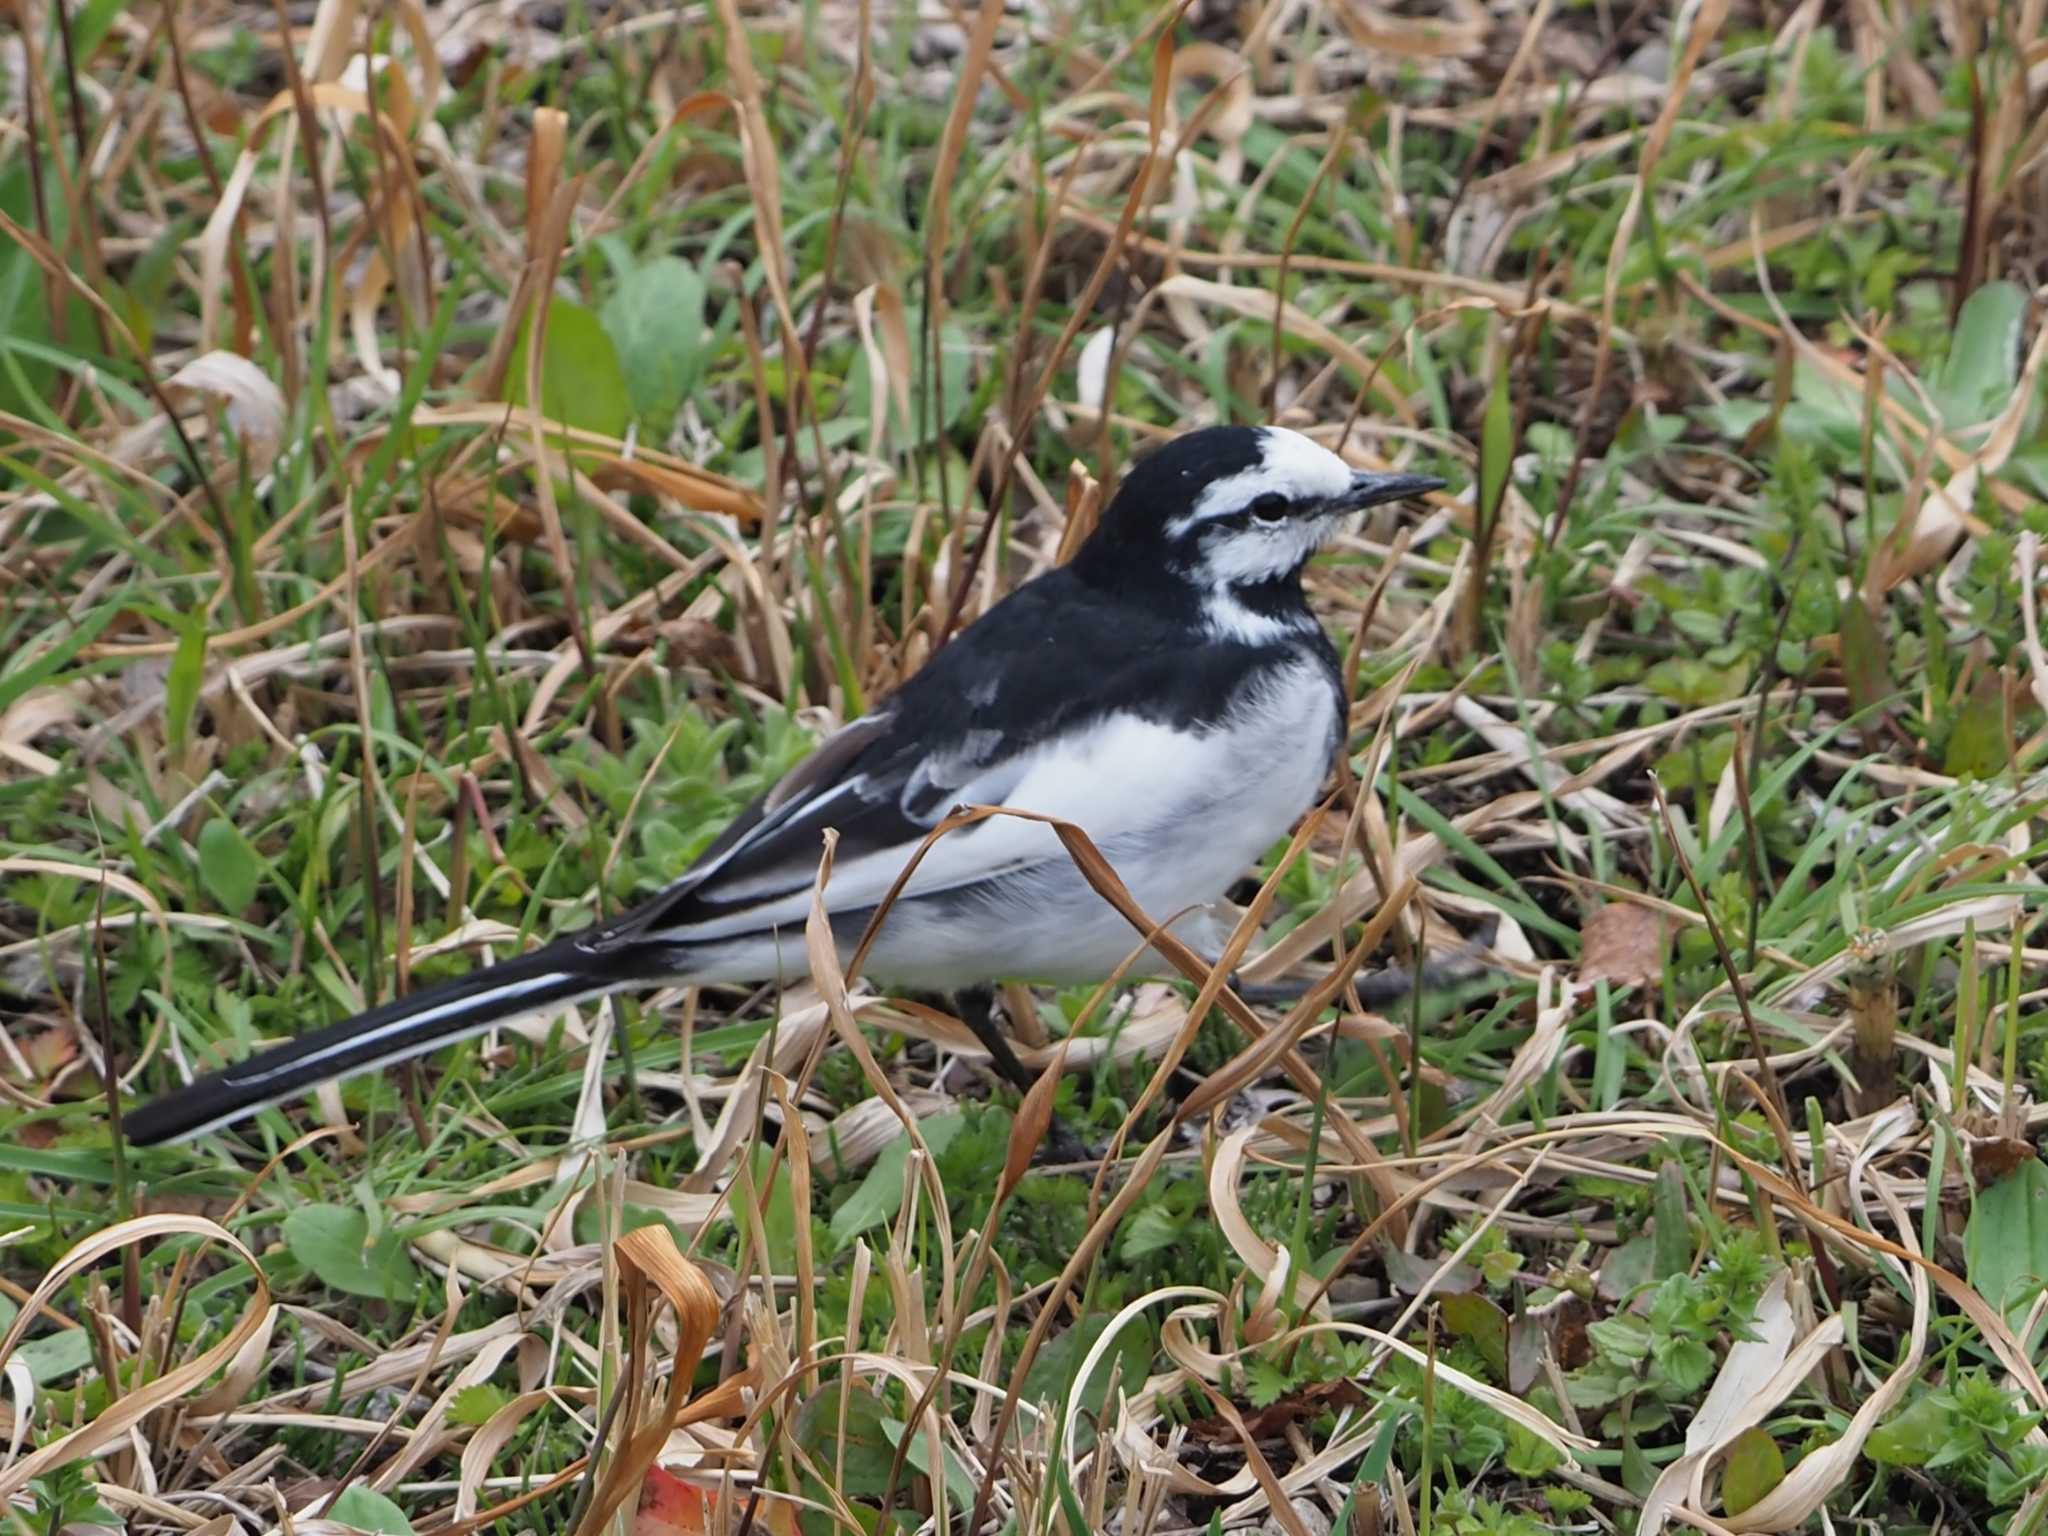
[560, 973]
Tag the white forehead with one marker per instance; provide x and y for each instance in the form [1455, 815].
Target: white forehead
[1297, 467]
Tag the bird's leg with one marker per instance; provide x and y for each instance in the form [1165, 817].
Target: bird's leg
[1375, 988]
[1270, 994]
[976, 1007]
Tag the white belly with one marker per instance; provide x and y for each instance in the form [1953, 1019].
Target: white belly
[1211, 804]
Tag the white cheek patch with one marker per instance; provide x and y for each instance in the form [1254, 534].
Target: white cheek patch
[1292, 465]
[1261, 554]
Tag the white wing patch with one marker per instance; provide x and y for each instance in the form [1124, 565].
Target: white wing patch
[1118, 779]
[947, 771]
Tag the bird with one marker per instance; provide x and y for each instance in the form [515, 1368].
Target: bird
[1168, 690]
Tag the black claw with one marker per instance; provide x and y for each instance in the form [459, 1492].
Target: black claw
[1062, 1146]
[975, 1007]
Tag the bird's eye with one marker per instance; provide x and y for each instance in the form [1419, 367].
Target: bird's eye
[1269, 508]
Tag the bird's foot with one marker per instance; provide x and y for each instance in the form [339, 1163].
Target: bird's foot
[975, 1007]
[1375, 989]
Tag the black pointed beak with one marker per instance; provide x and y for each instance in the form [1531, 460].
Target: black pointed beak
[1371, 490]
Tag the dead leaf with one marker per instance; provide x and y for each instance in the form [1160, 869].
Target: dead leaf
[255, 405]
[1926, 532]
[48, 1052]
[699, 640]
[1267, 1423]
[671, 1507]
[1622, 942]
[1413, 1275]
[1993, 1158]
[1034, 1119]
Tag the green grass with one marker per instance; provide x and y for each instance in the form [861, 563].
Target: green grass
[1738, 389]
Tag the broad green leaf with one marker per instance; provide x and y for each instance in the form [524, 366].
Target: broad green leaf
[1052, 1373]
[956, 356]
[863, 1457]
[656, 320]
[228, 865]
[880, 1194]
[958, 1483]
[25, 319]
[1754, 1467]
[2005, 1243]
[1621, 1337]
[368, 1510]
[474, 1406]
[57, 1355]
[1149, 1231]
[332, 1241]
[1629, 1268]
[1637, 1475]
[1976, 742]
[1685, 1364]
[95, 20]
[1824, 414]
[778, 1219]
[1732, 419]
[581, 383]
[1911, 1438]
[1692, 684]
[1976, 380]
[1476, 1317]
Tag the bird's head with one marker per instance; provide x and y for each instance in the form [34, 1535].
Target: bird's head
[1235, 507]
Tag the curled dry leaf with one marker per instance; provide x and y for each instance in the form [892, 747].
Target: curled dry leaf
[1460, 34]
[116, 1422]
[1753, 1380]
[1622, 942]
[608, 464]
[2037, 655]
[1924, 536]
[40, 710]
[1257, 304]
[255, 405]
[1919, 542]
[885, 341]
[1091, 370]
[1253, 1251]
[1217, 64]
[1809, 1485]
[649, 1261]
[1034, 1119]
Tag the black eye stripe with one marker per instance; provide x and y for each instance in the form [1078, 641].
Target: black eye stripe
[1266, 509]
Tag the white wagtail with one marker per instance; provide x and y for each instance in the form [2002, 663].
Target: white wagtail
[1168, 691]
